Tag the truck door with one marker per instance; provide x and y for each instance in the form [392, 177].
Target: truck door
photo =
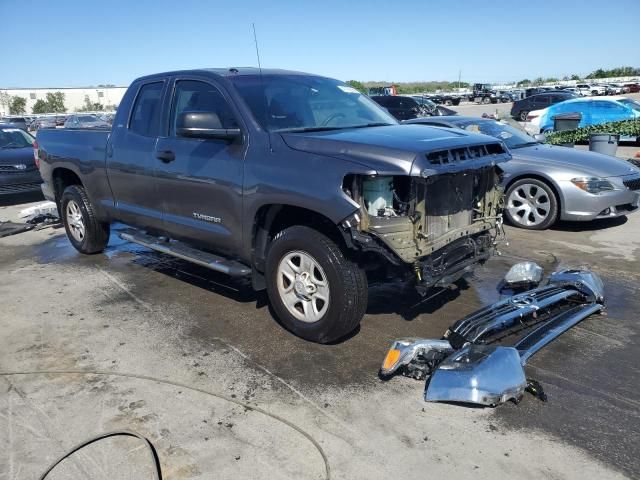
[131, 159]
[200, 180]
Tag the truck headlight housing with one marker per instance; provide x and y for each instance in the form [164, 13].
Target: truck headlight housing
[593, 184]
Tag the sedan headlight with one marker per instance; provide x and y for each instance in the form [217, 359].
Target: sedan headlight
[593, 184]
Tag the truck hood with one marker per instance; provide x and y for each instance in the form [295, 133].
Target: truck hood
[590, 163]
[15, 156]
[393, 149]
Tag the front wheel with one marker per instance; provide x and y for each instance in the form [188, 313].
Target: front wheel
[531, 204]
[86, 233]
[316, 292]
[523, 115]
[486, 100]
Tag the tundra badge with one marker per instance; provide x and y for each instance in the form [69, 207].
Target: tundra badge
[207, 218]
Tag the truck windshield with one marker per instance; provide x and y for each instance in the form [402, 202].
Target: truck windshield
[290, 103]
[14, 138]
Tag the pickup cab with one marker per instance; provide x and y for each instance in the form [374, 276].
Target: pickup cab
[296, 181]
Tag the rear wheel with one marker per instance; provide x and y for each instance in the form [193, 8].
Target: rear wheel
[316, 292]
[448, 103]
[86, 233]
[523, 115]
[531, 204]
[486, 100]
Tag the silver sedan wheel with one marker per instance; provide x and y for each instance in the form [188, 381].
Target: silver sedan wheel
[529, 205]
[75, 221]
[303, 286]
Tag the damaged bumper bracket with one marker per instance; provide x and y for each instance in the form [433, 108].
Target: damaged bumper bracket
[479, 367]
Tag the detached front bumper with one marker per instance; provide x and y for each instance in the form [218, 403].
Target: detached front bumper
[579, 205]
[482, 356]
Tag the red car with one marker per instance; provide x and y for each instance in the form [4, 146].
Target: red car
[631, 88]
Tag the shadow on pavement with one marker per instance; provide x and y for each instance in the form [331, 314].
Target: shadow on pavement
[590, 226]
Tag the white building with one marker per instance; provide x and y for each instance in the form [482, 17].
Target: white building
[74, 98]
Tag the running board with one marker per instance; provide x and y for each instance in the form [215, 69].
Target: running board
[190, 254]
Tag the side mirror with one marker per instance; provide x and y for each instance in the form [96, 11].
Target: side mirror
[204, 125]
[540, 137]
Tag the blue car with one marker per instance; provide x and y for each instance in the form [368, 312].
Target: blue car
[594, 111]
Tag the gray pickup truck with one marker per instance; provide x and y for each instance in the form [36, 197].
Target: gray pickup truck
[294, 180]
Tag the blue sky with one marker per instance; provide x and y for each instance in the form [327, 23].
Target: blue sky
[85, 42]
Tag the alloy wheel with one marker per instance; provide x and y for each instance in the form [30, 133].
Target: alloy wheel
[529, 205]
[303, 286]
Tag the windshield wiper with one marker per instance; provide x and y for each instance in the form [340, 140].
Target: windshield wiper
[378, 124]
[526, 144]
[308, 129]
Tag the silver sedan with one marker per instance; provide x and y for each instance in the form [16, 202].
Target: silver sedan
[544, 183]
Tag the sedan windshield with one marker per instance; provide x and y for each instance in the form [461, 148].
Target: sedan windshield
[511, 136]
[88, 118]
[290, 103]
[14, 138]
[633, 104]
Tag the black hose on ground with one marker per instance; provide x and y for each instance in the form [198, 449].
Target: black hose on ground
[174, 384]
[150, 448]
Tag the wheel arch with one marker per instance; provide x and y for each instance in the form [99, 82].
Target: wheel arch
[275, 217]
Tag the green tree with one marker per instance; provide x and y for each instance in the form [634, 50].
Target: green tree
[18, 105]
[90, 106]
[575, 77]
[5, 100]
[55, 101]
[551, 80]
[357, 85]
[40, 107]
[538, 81]
[524, 83]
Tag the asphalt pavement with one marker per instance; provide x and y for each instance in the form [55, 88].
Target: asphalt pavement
[130, 339]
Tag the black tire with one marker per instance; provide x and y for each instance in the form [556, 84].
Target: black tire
[448, 103]
[347, 285]
[96, 233]
[520, 220]
[486, 100]
[522, 116]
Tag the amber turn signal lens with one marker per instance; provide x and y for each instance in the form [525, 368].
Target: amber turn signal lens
[391, 359]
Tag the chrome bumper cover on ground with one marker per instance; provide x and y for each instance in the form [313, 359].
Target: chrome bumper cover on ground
[478, 365]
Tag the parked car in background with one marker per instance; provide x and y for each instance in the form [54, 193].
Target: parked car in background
[18, 171]
[535, 91]
[60, 119]
[85, 121]
[521, 108]
[574, 90]
[591, 89]
[593, 110]
[631, 87]
[18, 122]
[400, 106]
[431, 108]
[445, 99]
[545, 183]
[613, 89]
[43, 122]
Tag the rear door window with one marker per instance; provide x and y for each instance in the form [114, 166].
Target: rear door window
[145, 116]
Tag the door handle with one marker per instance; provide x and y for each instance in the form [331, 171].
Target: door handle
[166, 156]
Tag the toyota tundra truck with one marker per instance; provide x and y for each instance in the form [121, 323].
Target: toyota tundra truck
[295, 181]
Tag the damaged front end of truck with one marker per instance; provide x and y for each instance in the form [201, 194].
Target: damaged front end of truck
[436, 224]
